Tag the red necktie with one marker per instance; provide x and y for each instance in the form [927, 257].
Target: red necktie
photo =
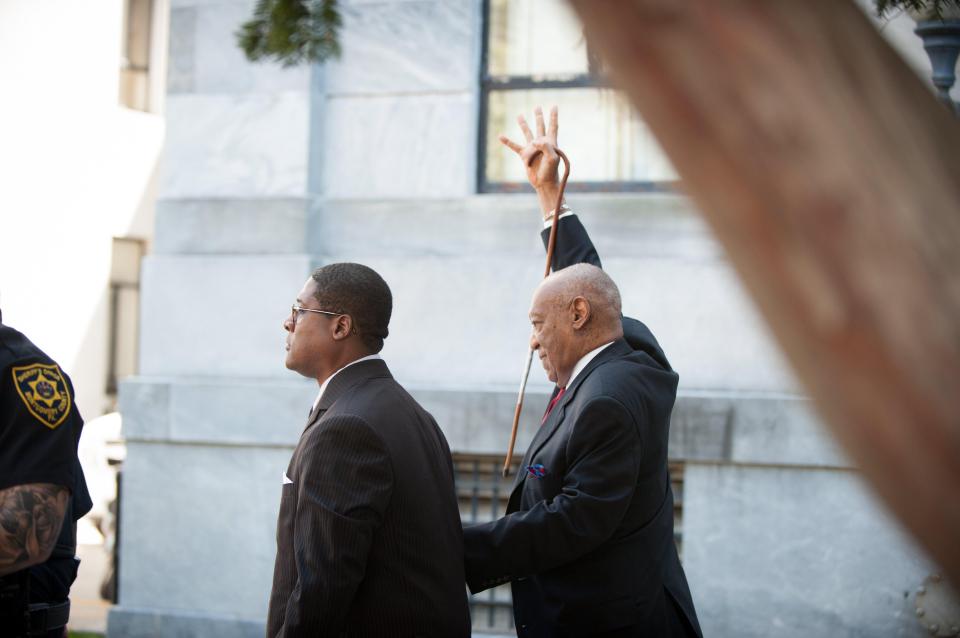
[553, 402]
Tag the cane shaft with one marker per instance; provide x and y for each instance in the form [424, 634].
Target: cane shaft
[516, 413]
[551, 246]
[552, 242]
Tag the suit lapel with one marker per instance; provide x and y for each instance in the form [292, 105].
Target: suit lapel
[549, 427]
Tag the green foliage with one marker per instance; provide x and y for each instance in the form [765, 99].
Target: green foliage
[934, 7]
[292, 32]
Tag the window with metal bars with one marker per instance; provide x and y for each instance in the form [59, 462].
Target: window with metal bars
[534, 53]
[482, 494]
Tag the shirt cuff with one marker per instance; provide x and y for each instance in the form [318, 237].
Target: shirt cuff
[549, 221]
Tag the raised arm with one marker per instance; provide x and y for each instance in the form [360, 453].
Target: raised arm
[541, 161]
[573, 243]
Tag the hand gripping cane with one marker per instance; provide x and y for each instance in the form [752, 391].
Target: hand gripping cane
[546, 272]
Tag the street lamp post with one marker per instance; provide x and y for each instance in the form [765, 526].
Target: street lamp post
[941, 41]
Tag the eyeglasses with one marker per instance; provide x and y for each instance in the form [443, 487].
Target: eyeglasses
[297, 311]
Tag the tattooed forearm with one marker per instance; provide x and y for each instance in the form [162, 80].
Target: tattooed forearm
[30, 520]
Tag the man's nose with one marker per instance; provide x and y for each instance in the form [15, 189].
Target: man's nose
[288, 324]
[534, 344]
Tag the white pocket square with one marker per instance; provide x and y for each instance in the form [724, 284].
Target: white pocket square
[286, 479]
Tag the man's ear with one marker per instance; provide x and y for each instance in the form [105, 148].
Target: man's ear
[581, 312]
[342, 327]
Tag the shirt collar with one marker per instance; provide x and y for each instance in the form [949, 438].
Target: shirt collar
[323, 386]
[584, 361]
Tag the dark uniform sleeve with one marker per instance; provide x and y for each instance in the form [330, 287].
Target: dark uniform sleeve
[38, 425]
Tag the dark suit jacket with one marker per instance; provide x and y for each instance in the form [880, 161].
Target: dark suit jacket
[589, 545]
[369, 541]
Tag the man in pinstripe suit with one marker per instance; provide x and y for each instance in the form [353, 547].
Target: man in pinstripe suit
[369, 541]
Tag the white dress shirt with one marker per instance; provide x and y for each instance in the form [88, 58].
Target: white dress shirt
[584, 360]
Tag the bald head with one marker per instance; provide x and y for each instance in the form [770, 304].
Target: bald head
[574, 310]
[595, 286]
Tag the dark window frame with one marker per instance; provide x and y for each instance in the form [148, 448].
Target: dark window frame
[593, 79]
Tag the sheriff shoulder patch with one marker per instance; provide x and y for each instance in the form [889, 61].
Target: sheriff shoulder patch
[44, 392]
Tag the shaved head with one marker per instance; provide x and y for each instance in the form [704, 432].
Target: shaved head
[574, 311]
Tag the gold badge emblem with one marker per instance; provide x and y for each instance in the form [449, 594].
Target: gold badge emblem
[44, 391]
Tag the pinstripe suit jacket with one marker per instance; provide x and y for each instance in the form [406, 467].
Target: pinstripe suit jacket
[369, 541]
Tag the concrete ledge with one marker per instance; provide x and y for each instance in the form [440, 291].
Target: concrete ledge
[751, 429]
[257, 412]
[150, 623]
[707, 426]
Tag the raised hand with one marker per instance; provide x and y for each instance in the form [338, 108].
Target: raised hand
[539, 156]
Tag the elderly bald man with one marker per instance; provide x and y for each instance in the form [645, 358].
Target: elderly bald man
[587, 540]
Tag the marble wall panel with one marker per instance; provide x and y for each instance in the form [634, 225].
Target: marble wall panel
[399, 146]
[220, 66]
[236, 146]
[705, 322]
[793, 552]
[407, 47]
[217, 316]
[181, 51]
[231, 226]
[199, 523]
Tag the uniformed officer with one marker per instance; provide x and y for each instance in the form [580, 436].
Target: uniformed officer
[42, 489]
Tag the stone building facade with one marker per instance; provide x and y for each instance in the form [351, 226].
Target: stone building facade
[377, 158]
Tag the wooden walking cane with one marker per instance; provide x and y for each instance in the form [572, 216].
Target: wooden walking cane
[551, 244]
